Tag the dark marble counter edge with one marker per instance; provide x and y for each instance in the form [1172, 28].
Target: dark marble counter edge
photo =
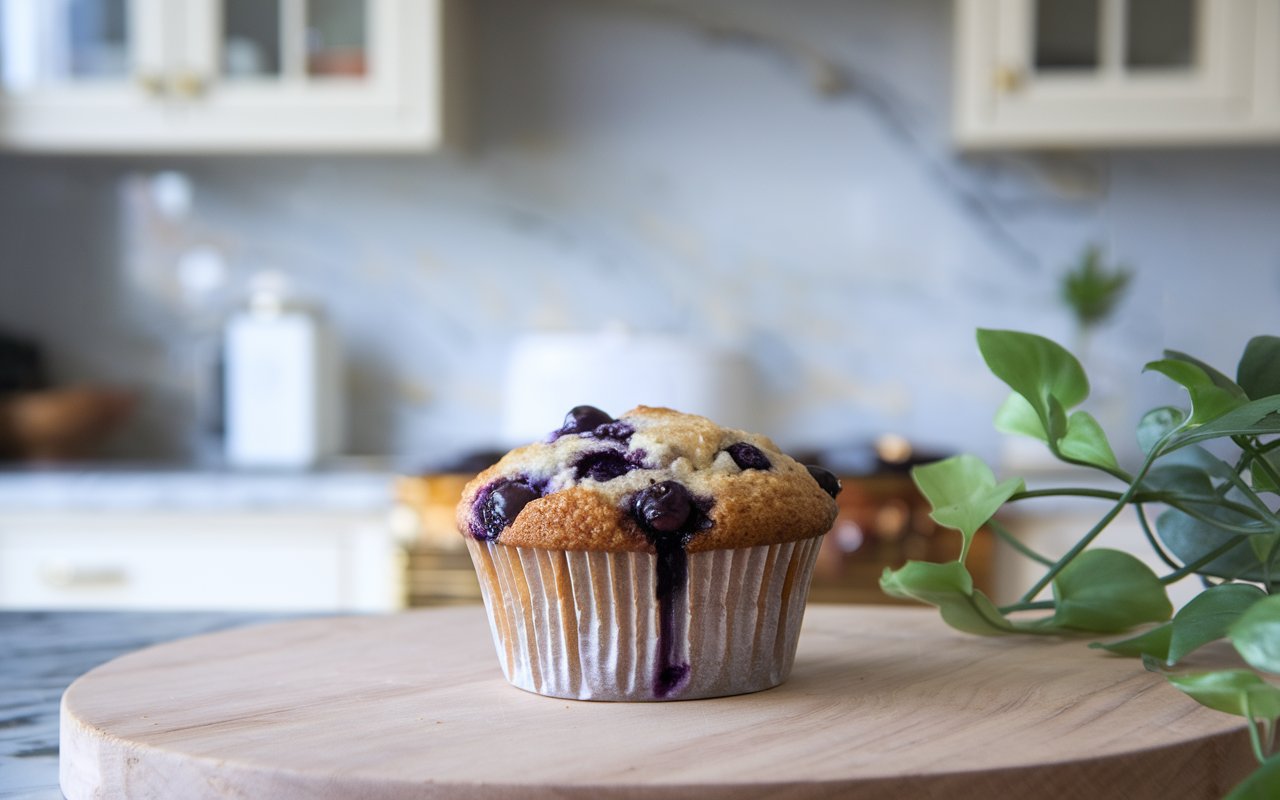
[42, 652]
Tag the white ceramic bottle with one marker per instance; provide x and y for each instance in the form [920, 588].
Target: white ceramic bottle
[282, 384]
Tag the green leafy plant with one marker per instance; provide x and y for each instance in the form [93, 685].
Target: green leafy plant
[1092, 290]
[1216, 521]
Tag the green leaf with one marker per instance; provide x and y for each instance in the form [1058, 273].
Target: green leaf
[1208, 616]
[1262, 784]
[963, 492]
[1262, 482]
[1261, 545]
[949, 587]
[1219, 380]
[1156, 423]
[1259, 370]
[1200, 459]
[1254, 418]
[1106, 591]
[1085, 441]
[1092, 290]
[1208, 400]
[1042, 371]
[1184, 479]
[1228, 690]
[1016, 415]
[1256, 635]
[1190, 539]
[1154, 642]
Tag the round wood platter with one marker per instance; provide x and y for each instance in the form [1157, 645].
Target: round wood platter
[882, 702]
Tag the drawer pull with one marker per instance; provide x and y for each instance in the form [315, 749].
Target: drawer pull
[72, 576]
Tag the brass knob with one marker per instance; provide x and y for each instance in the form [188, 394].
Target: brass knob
[1009, 79]
[152, 83]
[189, 84]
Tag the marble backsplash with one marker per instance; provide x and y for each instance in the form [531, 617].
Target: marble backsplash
[775, 177]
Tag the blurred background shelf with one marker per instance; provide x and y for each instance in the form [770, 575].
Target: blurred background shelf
[882, 522]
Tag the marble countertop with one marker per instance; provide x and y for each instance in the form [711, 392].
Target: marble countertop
[44, 652]
[348, 485]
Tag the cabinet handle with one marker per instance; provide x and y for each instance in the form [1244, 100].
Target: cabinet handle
[189, 84]
[1009, 79]
[152, 83]
[69, 576]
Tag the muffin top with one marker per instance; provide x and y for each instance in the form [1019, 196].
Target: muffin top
[621, 485]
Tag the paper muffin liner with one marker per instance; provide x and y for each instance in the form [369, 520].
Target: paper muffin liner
[590, 625]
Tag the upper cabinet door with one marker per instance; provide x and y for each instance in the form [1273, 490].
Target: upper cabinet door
[312, 74]
[1052, 73]
[1267, 48]
[244, 75]
[69, 67]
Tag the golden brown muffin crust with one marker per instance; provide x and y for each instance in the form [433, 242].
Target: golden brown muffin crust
[746, 507]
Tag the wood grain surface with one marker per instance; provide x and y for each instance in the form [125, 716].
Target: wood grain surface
[882, 703]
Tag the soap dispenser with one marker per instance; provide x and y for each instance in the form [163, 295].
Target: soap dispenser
[282, 382]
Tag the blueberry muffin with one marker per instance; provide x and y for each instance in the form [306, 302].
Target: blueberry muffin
[657, 556]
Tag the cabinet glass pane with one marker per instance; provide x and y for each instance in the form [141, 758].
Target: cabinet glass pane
[1067, 34]
[250, 38]
[337, 38]
[55, 41]
[1160, 33]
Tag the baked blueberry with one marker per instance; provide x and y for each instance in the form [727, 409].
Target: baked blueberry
[748, 456]
[583, 419]
[829, 482]
[663, 507]
[618, 431]
[501, 505]
[603, 466]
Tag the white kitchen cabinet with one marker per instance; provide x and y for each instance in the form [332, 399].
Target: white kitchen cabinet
[208, 560]
[1080, 73]
[222, 75]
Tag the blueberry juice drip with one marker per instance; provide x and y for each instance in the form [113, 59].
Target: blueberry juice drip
[670, 515]
[672, 593]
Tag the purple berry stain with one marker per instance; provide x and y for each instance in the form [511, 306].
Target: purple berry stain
[669, 515]
[748, 456]
[603, 466]
[672, 583]
[499, 504]
[828, 481]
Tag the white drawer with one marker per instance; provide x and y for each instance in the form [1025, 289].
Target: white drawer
[181, 561]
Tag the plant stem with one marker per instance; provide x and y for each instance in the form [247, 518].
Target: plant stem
[1003, 533]
[1151, 537]
[1189, 569]
[1114, 472]
[1177, 500]
[1270, 562]
[1169, 498]
[1034, 606]
[1257, 459]
[1226, 526]
[1238, 481]
[1104, 494]
[1253, 732]
[1079, 546]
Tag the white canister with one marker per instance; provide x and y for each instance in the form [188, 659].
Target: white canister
[282, 386]
[615, 370]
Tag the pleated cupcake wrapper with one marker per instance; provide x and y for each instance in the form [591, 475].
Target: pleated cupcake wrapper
[585, 625]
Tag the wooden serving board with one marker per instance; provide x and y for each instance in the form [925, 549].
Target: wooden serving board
[883, 702]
